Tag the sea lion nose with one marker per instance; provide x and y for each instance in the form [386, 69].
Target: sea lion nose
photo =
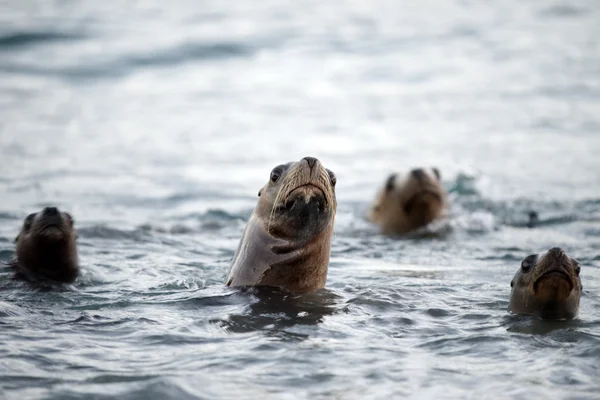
[418, 173]
[556, 251]
[311, 161]
[50, 211]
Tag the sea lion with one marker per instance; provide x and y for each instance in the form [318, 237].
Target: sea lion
[410, 201]
[547, 286]
[287, 240]
[46, 248]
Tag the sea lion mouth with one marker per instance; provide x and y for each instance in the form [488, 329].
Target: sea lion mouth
[410, 203]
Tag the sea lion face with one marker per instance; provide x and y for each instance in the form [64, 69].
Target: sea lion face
[287, 241]
[410, 201]
[46, 246]
[547, 285]
[299, 199]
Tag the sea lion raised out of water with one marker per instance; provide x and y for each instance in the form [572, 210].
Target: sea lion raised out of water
[287, 240]
[410, 201]
[46, 248]
[547, 286]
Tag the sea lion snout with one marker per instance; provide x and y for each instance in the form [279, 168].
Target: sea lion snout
[52, 223]
[555, 275]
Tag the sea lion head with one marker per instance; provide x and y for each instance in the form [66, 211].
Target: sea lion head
[547, 285]
[46, 247]
[287, 241]
[409, 201]
[299, 200]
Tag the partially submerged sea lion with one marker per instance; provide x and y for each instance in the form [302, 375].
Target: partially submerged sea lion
[408, 202]
[46, 248]
[287, 240]
[547, 286]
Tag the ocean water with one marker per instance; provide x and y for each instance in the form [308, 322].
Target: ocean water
[155, 124]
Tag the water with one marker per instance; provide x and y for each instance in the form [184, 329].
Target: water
[156, 123]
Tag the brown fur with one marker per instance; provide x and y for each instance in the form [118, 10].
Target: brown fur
[287, 240]
[408, 203]
[46, 248]
[547, 285]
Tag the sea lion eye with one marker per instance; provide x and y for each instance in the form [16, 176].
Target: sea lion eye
[28, 222]
[332, 177]
[527, 263]
[69, 218]
[577, 267]
[437, 173]
[275, 174]
[389, 184]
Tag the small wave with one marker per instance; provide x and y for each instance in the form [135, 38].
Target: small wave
[464, 185]
[190, 52]
[211, 220]
[8, 216]
[5, 255]
[123, 66]
[525, 212]
[105, 232]
[20, 39]
[562, 11]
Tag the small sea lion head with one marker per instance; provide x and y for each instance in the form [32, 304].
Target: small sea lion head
[46, 245]
[48, 225]
[547, 284]
[299, 200]
[409, 201]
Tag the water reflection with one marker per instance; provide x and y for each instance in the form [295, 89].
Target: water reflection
[275, 312]
[536, 326]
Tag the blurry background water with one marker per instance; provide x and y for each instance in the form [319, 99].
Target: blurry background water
[155, 123]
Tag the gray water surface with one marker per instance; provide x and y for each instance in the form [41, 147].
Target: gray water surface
[155, 124]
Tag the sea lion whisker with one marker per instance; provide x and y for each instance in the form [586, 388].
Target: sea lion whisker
[272, 213]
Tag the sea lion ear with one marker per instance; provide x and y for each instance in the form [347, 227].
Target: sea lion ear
[437, 173]
[512, 283]
[17, 238]
[259, 192]
[70, 219]
[389, 183]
